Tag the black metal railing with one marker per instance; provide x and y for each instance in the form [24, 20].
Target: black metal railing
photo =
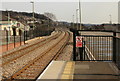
[12, 40]
[117, 52]
[97, 47]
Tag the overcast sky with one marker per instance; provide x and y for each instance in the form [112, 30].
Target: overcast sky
[92, 11]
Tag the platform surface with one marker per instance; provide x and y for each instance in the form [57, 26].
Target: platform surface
[80, 71]
[95, 70]
[53, 71]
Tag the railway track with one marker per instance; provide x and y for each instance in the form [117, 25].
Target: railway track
[10, 59]
[66, 54]
[32, 69]
[21, 52]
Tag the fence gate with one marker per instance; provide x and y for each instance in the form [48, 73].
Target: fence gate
[94, 47]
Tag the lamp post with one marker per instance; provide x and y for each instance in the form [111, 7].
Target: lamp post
[24, 34]
[77, 18]
[110, 20]
[80, 15]
[48, 26]
[73, 21]
[8, 32]
[33, 14]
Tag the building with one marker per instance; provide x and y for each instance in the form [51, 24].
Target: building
[14, 27]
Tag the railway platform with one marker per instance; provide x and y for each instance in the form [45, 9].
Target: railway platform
[5, 48]
[80, 71]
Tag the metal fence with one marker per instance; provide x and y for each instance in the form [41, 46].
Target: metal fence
[11, 41]
[8, 41]
[117, 52]
[96, 47]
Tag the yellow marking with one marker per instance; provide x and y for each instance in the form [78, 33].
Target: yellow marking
[68, 71]
[33, 39]
[40, 37]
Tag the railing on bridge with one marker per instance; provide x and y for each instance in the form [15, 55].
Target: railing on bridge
[96, 46]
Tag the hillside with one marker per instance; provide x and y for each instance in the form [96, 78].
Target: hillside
[41, 21]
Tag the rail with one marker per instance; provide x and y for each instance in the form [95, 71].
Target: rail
[43, 59]
[19, 53]
[13, 56]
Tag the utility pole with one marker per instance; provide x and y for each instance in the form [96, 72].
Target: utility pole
[80, 15]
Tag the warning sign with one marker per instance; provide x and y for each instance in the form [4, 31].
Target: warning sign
[78, 41]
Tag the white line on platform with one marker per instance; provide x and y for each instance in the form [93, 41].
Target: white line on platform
[44, 71]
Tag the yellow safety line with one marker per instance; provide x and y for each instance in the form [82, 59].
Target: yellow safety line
[33, 39]
[68, 71]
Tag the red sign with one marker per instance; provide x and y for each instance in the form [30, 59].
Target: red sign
[78, 41]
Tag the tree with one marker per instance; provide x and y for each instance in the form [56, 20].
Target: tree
[50, 15]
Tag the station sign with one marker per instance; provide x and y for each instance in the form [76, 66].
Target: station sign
[79, 42]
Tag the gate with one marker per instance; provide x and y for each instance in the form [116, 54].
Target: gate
[97, 46]
[117, 52]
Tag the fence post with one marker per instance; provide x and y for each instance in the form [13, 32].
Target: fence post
[20, 39]
[84, 50]
[14, 40]
[24, 37]
[7, 39]
[74, 46]
[26, 33]
[114, 47]
[81, 51]
[30, 33]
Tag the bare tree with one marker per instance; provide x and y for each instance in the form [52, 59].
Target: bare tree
[50, 15]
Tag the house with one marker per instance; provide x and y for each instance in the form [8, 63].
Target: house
[14, 27]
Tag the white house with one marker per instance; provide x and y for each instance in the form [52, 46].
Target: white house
[14, 27]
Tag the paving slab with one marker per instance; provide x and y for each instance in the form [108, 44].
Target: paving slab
[53, 71]
[95, 71]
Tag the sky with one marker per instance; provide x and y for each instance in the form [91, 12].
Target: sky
[93, 11]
